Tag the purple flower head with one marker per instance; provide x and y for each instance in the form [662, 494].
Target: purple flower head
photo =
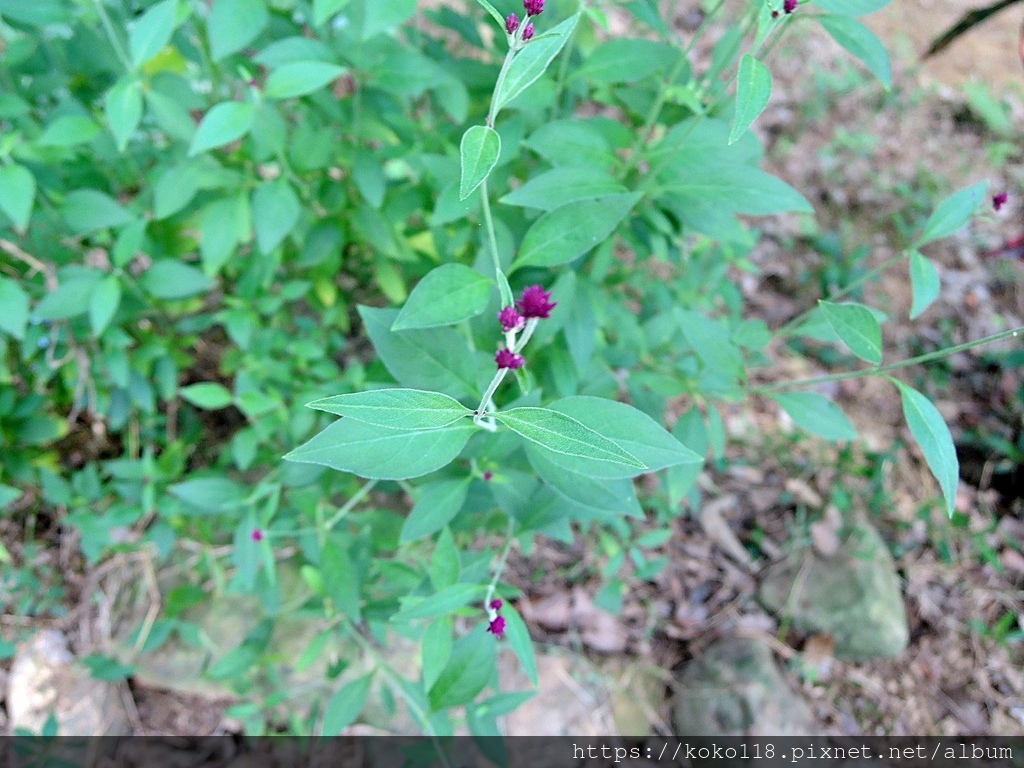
[511, 23]
[506, 358]
[999, 200]
[533, 7]
[488, 475]
[527, 32]
[495, 604]
[256, 535]
[789, 5]
[511, 320]
[536, 302]
[496, 627]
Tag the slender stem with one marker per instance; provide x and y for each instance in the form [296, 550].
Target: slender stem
[886, 368]
[531, 326]
[492, 239]
[509, 540]
[349, 505]
[499, 376]
[492, 113]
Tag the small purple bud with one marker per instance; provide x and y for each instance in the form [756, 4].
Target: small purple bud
[256, 535]
[511, 23]
[527, 32]
[506, 358]
[775, 14]
[497, 627]
[495, 604]
[534, 7]
[536, 302]
[999, 200]
[789, 5]
[511, 320]
[488, 475]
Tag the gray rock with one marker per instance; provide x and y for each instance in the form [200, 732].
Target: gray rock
[735, 689]
[854, 596]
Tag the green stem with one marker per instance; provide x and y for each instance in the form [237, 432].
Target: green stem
[349, 505]
[481, 411]
[886, 368]
[509, 540]
[492, 239]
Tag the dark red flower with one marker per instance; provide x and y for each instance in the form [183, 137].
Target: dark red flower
[488, 475]
[789, 5]
[511, 23]
[999, 200]
[256, 535]
[536, 302]
[527, 32]
[506, 358]
[775, 14]
[496, 627]
[511, 320]
[534, 7]
[495, 604]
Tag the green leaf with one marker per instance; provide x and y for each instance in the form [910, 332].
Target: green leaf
[436, 650]
[445, 565]
[851, 7]
[711, 341]
[68, 131]
[519, 640]
[631, 429]
[298, 78]
[210, 495]
[432, 359]
[105, 668]
[478, 150]
[568, 232]
[409, 409]
[340, 579]
[208, 395]
[440, 603]
[817, 414]
[468, 670]
[17, 194]
[14, 316]
[87, 210]
[608, 62]
[436, 504]
[381, 453]
[233, 24]
[106, 298]
[933, 437]
[275, 212]
[225, 224]
[345, 705]
[563, 434]
[952, 213]
[8, 495]
[925, 282]
[560, 186]
[493, 11]
[174, 280]
[224, 123]
[753, 90]
[70, 298]
[616, 496]
[856, 327]
[531, 62]
[731, 187]
[862, 43]
[123, 108]
[325, 9]
[152, 31]
[447, 295]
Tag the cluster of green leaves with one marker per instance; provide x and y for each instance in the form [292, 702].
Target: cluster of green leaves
[203, 208]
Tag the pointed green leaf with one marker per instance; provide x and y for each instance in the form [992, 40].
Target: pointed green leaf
[851, 7]
[953, 213]
[173, 280]
[152, 31]
[568, 232]
[8, 496]
[436, 505]
[817, 414]
[753, 90]
[530, 63]
[436, 649]
[925, 283]
[87, 210]
[479, 152]
[857, 327]
[340, 578]
[298, 78]
[275, 212]
[106, 298]
[561, 186]
[208, 395]
[14, 315]
[323, 10]
[493, 11]
[345, 705]
[519, 640]
[224, 123]
[68, 131]
[233, 24]
[411, 409]
[447, 295]
[123, 109]
[862, 43]
[933, 437]
[563, 434]
[441, 603]
[381, 453]
[17, 194]
[468, 670]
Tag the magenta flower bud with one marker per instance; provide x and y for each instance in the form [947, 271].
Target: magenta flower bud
[511, 23]
[256, 535]
[527, 32]
[533, 8]
[506, 358]
[998, 201]
[789, 5]
[497, 627]
[511, 320]
[488, 475]
[495, 604]
[536, 302]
